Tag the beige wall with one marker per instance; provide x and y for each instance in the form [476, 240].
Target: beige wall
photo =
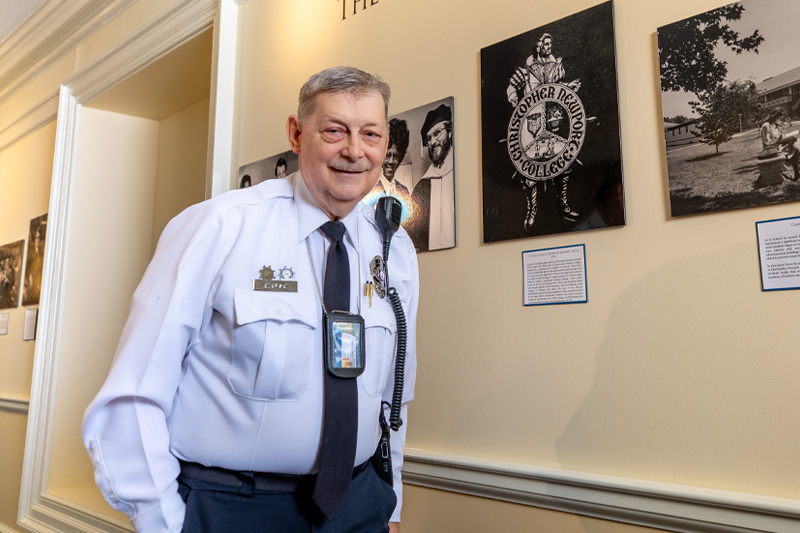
[182, 147]
[25, 169]
[679, 369]
[12, 427]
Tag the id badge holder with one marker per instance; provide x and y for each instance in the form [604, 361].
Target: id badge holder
[345, 345]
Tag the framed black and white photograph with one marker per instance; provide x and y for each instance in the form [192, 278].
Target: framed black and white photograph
[275, 166]
[33, 261]
[419, 171]
[730, 82]
[10, 266]
[550, 129]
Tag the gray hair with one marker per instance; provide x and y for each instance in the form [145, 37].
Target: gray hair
[337, 80]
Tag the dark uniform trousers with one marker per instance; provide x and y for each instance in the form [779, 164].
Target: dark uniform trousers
[217, 508]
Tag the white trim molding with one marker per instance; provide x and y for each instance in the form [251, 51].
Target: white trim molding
[645, 503]
[54, 28]
[52, 514]
[36, 465]
[177, 24]
[30, 120]
[14, 404]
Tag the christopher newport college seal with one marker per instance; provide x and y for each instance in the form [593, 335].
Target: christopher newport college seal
[546, 132]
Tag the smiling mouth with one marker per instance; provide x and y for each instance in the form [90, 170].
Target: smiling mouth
[350, 170]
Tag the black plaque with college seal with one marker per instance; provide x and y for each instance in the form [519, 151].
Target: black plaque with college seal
[550, 121]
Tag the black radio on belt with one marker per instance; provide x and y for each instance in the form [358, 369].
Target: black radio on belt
[382, 458]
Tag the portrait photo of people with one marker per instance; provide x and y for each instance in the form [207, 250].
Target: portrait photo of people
[419, 171]
[550, 129]
[10, 266]
[275, 166]
[731, 107]
[33, 261]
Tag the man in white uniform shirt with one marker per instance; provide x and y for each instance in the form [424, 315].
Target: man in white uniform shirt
[212, 418]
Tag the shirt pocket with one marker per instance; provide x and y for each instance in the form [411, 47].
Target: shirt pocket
[379, 331]
[273, 345]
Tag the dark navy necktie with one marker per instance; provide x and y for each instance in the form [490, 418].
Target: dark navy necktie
[340, 415]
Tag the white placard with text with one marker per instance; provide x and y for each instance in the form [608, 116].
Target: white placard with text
[555, 275]
[779, 253]
[29, 332]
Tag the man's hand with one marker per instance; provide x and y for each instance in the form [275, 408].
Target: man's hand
[394, 527]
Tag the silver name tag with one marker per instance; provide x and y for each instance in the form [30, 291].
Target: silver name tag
[274, 285]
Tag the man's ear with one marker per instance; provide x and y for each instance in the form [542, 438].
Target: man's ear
[293, 132]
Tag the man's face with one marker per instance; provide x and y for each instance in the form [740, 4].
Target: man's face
[280, 171]
[391, 162]
[341, 148]
[438, 139]
[547, 46]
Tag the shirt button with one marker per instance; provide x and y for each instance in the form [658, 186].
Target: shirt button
[280, 311]
[113, 500]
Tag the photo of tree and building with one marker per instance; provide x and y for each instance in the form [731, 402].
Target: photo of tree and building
[730, 82]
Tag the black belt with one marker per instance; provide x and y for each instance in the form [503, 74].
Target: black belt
[260, 481]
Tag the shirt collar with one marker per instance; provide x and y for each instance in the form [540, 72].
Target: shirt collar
[310, 216]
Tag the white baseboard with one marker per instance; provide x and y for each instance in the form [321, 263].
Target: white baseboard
[645, 503]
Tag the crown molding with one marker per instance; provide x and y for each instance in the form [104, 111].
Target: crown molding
[179, 22]
[173, 26]
[53, 29]
[34, 118]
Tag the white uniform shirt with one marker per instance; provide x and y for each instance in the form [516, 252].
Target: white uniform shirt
[211, 371]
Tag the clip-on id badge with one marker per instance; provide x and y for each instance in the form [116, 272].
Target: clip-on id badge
[345, 352]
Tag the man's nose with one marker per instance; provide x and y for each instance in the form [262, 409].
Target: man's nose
[353, 148]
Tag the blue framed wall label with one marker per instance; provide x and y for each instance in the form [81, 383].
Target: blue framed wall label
[779, 253]
[555, 275]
